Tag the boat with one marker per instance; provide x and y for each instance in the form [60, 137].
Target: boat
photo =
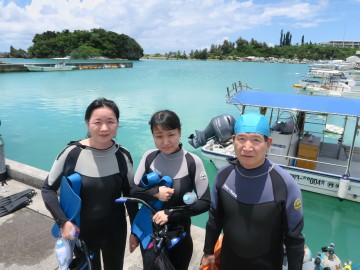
[323, 162]
[329, 82]
[60, 66]
[332, 88]
[332, 65]
[325, 73]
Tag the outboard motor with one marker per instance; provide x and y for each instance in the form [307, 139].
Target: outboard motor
[221, 127]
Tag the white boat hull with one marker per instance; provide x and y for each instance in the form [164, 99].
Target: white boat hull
[309, 180]
[50, 68]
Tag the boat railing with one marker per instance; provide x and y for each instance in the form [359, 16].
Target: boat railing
[293, 161]
[322, 162]
[236, 87]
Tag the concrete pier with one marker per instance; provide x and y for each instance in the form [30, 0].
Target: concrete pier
[26, 242]
[8, 67]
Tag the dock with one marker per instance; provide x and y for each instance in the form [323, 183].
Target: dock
[81, 65]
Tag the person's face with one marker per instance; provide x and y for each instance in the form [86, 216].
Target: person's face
[167, 141]
[102, 126]
[250, 149]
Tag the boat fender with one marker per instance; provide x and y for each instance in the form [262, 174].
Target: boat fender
[343, 187]
[326, 87]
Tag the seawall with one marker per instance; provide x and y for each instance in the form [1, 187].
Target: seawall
[9, 67]
[25, 174]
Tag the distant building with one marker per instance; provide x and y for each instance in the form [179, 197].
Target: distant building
[342, 43]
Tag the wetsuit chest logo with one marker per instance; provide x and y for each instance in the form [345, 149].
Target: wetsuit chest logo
[229, 190]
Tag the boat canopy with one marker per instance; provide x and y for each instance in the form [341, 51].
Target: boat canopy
[307, 103]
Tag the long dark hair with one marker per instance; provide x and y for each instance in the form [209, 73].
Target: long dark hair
[99, 103]
[167, 119]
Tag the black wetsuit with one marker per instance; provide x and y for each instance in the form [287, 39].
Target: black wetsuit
[177, 167]
[105, 177]
[259, 213]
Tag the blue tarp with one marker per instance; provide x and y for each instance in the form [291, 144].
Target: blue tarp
[307, 103]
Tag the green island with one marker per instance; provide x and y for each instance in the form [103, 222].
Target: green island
[80, 44]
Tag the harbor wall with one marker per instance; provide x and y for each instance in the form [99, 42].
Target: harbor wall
[12, 68]
[25, 174]
[7, 67]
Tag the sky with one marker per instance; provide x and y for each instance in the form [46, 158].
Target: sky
[161, 26]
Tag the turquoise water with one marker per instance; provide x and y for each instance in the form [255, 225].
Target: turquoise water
[41, 112]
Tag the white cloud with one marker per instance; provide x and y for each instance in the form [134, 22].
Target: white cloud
[159, 25]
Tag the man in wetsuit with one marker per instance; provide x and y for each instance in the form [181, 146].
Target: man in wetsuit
[257, 204]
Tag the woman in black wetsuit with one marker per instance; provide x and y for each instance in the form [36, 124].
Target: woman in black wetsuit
[188, 174]
[106, 169]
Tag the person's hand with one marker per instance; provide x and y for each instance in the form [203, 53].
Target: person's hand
[133, 242]
[69, 231]
[164, 194]
[207, 260]
[160, 218]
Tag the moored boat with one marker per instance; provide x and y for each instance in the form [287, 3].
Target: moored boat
[326, 82]
[60, 66]
[323, 164]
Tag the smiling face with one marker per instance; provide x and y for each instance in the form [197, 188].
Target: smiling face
[167, 141]
[250, 149]
[102, 126]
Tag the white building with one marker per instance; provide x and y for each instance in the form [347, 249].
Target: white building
[342, 43]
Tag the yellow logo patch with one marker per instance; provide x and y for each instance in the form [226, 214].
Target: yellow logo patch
[297, 204]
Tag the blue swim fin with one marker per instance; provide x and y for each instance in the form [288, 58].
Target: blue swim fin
[142, 226]
[70, 201]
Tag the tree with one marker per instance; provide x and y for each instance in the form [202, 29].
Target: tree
[227, 47]
[17, 53]
[85, 52]
[201, 55]
[287, 39]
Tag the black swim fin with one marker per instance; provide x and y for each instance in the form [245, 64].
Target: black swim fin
[12, 198]
[16, 201]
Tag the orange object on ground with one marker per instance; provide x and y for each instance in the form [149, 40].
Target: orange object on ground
[217, 253]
